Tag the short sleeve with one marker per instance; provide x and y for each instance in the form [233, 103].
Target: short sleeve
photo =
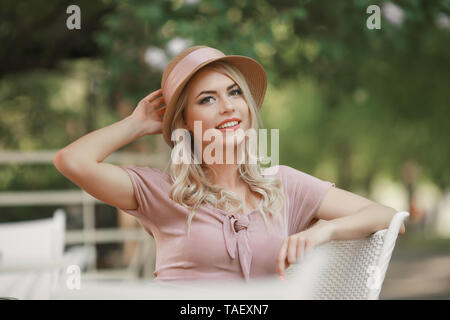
[305, 193]
[147, 182]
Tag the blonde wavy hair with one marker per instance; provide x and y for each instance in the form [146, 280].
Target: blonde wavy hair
[191, 187]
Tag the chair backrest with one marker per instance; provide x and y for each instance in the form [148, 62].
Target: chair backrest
[348, 269]
[31, 253]
[38, 240]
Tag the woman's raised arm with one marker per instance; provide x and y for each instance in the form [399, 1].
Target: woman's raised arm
[82, 160]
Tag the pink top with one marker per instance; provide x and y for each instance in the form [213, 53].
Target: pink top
[221, 246]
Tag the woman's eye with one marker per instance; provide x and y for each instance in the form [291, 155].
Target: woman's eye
[238, 91]
[205, 99]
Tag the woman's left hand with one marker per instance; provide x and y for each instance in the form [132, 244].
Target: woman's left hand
[296, 246]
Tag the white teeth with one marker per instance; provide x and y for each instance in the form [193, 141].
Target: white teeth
[228, 124]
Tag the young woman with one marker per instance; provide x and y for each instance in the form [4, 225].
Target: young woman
[220, 219]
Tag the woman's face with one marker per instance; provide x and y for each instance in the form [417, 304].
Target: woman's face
[212, 99]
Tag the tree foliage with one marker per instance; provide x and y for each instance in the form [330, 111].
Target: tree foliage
[359, 101]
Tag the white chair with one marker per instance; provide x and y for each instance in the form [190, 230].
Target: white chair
[348, 269]
[31, 256]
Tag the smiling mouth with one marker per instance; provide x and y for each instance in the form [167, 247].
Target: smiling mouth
[230, 128]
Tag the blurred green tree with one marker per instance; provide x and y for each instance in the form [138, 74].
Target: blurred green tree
[359, 100]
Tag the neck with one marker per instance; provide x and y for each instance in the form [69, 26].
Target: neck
[224, 175]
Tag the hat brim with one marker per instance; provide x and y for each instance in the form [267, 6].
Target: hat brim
[252, 70]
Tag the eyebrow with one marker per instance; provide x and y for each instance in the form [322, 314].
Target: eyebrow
[234, 84]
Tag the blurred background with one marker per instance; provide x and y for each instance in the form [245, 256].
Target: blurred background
[365, 108]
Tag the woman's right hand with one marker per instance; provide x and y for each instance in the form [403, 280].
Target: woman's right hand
[149, 113]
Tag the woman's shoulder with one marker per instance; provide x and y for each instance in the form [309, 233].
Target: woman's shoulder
[277, 170]
[290, 175]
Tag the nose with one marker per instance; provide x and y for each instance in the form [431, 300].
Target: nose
[226, 105]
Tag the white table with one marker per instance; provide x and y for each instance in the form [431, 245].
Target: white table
[267, 289]
[28, 281]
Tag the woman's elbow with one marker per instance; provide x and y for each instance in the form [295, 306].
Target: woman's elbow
[63, 162]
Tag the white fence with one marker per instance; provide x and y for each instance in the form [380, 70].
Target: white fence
[88, 235]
